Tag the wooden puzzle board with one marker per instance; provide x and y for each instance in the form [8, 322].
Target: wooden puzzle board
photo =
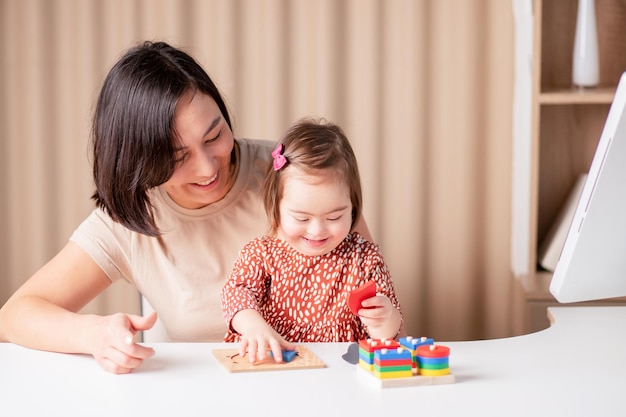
[230, 359]
[411, 381]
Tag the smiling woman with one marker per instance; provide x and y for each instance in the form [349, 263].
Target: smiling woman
[176, 198]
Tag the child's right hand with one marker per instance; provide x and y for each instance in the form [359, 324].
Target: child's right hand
[258, 338]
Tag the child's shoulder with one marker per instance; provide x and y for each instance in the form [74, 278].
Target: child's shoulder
[263, 242]
[356, 241]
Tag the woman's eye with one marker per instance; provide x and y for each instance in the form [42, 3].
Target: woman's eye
[214, 138]
[180, 159]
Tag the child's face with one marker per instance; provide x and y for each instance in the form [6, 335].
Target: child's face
[315, 213]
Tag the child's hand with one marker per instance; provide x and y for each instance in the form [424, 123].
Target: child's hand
[257, 337]
[380, 316]
[256, 345]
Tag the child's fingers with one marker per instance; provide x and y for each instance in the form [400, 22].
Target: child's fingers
[243, 347]
[261, 351]
[376, 301]
[277, 350]
[252, 350]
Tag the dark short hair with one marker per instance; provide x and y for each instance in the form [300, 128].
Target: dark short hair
[133, 134]
[314, 146]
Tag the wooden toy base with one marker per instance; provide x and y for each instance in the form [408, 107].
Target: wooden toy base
[412, 381]
[230, 359]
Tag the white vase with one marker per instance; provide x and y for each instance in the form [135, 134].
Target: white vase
[585, 69]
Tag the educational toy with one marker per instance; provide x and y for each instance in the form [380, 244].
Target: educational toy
[367, 348]
[409, 362]
[393, 363]
[433, 360]
[357, 296]
[288, 355]
[301, 358]
[412, 343]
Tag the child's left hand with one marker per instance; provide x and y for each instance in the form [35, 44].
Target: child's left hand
[380, 316]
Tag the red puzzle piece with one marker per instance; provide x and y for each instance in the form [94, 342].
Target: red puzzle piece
[357, 296]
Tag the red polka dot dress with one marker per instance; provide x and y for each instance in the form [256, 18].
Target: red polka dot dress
[305, 298]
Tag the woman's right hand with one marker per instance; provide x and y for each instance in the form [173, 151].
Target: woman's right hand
[113, 342]
[44, 314]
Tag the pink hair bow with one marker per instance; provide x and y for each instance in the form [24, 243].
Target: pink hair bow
[279, 158]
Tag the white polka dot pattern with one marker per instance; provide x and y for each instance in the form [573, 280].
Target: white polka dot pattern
[305, 298]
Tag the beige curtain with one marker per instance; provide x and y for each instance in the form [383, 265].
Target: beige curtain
[423, 89]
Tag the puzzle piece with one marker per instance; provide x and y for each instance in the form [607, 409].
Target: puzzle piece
[288, 355]
[357, 296]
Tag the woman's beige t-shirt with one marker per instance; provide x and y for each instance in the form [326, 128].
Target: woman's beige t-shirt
[181, 272]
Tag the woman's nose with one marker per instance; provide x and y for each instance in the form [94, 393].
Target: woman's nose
[204, 164]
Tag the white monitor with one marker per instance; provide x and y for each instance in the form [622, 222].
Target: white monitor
[592, 264]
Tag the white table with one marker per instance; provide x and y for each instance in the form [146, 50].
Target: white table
[575, 368]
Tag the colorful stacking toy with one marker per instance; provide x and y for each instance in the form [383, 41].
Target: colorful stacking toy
[390, 363]
[367, 348]
[412, 343]
[409, 361]
[433, 360]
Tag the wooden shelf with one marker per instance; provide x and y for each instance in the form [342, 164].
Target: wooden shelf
[566, 125]
[578, 96]
[567, 121]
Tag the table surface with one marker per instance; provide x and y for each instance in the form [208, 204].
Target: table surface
[577, 367]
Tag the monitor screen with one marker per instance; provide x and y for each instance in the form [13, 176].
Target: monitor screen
[592, 264]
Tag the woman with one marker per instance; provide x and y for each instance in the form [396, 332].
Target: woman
[177, 197]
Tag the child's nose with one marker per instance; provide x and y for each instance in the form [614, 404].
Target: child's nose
[316, 227]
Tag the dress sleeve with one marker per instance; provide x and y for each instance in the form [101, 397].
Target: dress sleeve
[247, 284]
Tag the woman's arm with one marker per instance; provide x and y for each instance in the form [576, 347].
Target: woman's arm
[363, 230]
[42, 314]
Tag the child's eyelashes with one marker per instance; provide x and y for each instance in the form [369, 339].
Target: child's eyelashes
[330, 219]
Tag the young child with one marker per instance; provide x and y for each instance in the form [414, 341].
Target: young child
[293, 285]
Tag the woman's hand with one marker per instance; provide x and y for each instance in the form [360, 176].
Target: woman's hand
[382, 319]
[44, 314]
[113, 342]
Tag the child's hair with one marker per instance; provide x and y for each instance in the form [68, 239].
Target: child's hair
[314, 147]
